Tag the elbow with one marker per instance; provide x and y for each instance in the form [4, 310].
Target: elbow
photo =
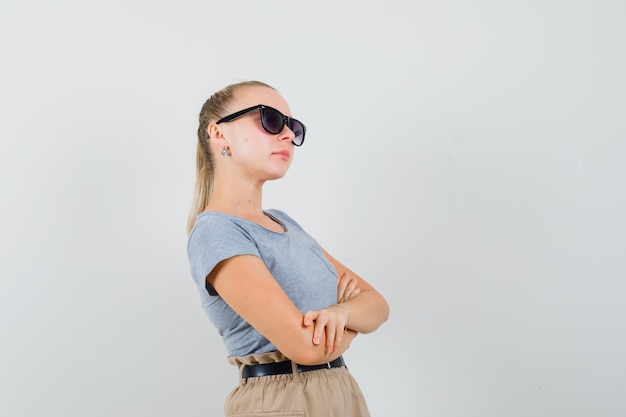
[384, 310]
[381, 316]
[384, 313]
[307, 356]
[301, 349]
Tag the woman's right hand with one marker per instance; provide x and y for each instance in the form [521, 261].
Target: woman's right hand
[347, 288]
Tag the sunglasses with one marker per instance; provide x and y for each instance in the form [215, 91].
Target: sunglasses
[272, 121]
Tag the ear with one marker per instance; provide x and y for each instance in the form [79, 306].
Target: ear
[215, 133]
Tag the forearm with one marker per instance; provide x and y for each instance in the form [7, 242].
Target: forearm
[366, 311]
[275, 316]
[317, 354]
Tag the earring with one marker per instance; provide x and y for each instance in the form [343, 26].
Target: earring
[225, 152]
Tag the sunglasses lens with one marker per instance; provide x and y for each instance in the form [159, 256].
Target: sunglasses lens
[272, 120]
[298, 130]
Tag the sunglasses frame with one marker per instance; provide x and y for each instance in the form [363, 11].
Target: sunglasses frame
[262, 107]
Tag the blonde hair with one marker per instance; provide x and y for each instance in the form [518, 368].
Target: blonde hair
[212, 110]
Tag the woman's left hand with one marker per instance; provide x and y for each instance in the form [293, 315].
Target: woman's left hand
[332, 321]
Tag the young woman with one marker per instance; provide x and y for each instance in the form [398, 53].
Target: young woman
[285, 308]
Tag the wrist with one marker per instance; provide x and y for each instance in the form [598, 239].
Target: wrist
[344, 308]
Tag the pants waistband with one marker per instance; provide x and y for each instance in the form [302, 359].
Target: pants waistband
[285, 367]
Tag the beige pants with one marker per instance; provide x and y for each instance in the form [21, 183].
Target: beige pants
[320, 393]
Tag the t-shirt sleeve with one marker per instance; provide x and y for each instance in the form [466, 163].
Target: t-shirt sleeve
[213, 240]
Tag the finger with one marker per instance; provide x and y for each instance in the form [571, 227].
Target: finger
[351, 290]
[309, 317]
[351, 293]
[318, 330]
[352, 284]
[341, 287]
[330, 339]
[339, 338]
[343, 276]
[346, 286]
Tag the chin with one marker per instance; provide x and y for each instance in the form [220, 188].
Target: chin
[276, 175]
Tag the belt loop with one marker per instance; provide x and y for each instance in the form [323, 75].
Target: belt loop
[294, 371]
[242, 380]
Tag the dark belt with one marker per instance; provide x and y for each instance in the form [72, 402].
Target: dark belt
[279, 368]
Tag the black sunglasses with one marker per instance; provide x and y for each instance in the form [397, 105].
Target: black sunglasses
[272, 121]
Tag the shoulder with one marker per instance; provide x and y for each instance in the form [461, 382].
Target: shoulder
[213, 226]
[214, 238]
[211, 221]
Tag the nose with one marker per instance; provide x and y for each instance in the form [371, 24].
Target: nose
[287, 134]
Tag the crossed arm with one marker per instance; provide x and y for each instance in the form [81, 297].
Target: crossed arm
[248, 287]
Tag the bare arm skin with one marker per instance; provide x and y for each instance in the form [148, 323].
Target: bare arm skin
[247, 286]
[347, 288]
[365, 311]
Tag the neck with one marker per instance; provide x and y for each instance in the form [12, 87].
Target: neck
[241, 201]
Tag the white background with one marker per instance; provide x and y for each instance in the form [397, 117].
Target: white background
[467, 158]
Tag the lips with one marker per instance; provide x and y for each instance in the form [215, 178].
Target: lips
[283, 154]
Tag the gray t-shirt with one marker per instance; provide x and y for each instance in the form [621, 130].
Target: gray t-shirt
[294, 259]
